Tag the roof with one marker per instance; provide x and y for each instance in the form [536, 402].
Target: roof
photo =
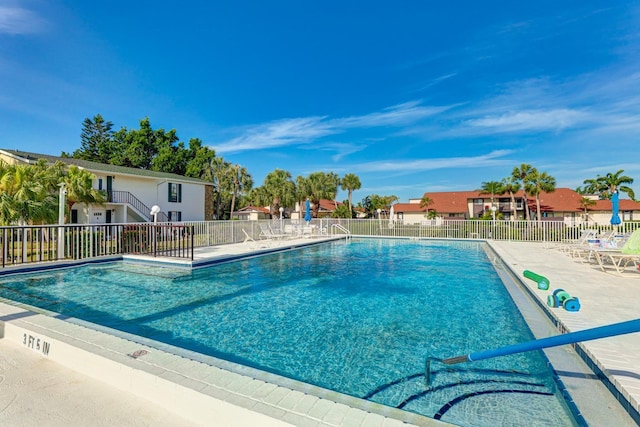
[454, 202]
[561, 200]
[329, 205]
[249, 209]
[100, 167]
[567, 200]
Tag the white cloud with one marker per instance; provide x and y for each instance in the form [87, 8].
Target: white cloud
[528, 120]
[494, 158]
[304, 130]
[397, 115]
[16, 21]
[277, 134]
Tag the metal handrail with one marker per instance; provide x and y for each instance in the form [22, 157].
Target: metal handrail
[343, 229]
[128, 198]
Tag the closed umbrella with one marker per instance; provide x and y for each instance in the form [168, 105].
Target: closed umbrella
[615, 208]
[307, 214]
[391, 216]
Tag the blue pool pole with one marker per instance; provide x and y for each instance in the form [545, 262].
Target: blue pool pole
[615, 329]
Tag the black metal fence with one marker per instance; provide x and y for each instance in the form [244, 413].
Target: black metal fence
[47, 243]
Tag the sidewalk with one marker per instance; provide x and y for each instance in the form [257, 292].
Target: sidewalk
[35, 391]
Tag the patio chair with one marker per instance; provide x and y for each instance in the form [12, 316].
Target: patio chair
[252, 242]
[620, 259]
[568, 245]
[267, 233]
[605, 240]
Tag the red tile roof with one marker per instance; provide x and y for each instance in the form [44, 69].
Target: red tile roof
[254, 209]
[561, 200]
[328, 205]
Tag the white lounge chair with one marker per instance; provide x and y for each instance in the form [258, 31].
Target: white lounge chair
[620, 259]
[251, 241]
[267, 233]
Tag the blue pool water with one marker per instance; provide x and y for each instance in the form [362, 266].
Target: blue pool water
[357, 317]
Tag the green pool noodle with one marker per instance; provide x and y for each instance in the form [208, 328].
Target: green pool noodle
[543, 282]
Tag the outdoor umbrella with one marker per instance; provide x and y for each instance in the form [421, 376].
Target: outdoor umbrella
[391, 214]
[307, 214]
[615, 208]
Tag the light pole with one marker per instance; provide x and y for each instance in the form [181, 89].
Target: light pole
[281, 212]
[61, 204]
[155, 210]
[379, 220]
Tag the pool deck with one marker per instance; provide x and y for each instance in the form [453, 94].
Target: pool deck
[59, 372]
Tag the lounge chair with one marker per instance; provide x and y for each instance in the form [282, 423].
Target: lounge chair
[267, 233]
[568, 245]
[605, 240]
[620, 259]
[251, 241]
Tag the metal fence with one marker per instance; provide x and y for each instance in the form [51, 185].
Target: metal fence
[31, 244]
[46, 243]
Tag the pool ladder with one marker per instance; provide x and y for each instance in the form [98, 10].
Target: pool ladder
[343, 229]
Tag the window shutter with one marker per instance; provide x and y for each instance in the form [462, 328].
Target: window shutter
[169, 195]
[179, 193]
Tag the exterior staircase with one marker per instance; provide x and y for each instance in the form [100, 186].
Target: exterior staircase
[136, 204]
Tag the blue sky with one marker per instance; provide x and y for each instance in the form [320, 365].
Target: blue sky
[412, 96]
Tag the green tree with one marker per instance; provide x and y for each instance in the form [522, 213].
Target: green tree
[492, 188]
[511, 185]
[539, 182]
[606, 185]
[258, 196]
[374, 202]
[199, 158]
[425, 202]
[217, 172]
[25, 198]
[170, 158]
[281, 190]
[585, 204]
[79, 185]
[522, 174]
[342, 211]
[241, 183]
[96, 140]
[318, 186]
[350, 183]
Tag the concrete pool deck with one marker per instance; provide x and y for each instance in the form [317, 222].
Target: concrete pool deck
[75, 369]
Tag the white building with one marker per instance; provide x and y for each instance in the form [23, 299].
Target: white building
[131, 192]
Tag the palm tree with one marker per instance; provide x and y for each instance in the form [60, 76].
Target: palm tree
[350, 182]
[539, 182]
[511, 186]
[79, 185]
[425, 202]
[492, 188]
[320, 186]
[216, 171]
[258, 196]
[241, 182]
[335, 179]
[523, 174]
[25, 195]
[606, 185]
[585, 204]
[280, 188]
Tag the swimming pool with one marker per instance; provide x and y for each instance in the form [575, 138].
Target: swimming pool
[359, 318]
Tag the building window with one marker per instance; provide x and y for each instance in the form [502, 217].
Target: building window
[175, 216]
[99, 183]
[175, 192]
[74, 216]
